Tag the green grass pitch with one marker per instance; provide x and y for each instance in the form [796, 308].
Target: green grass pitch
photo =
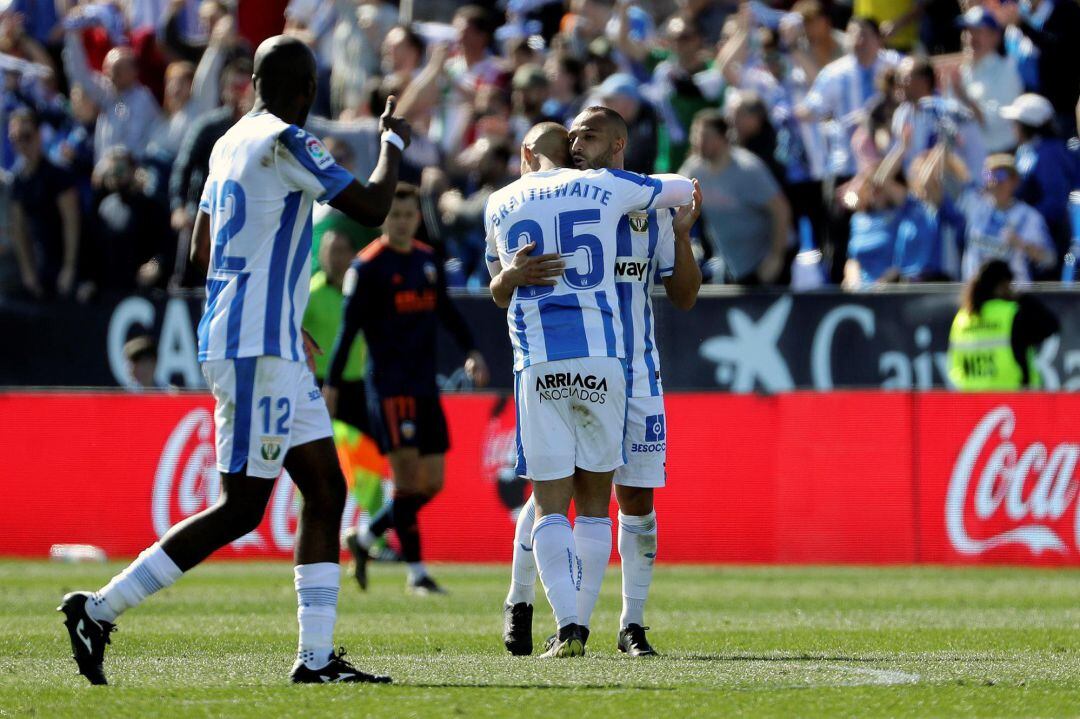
[746, 641]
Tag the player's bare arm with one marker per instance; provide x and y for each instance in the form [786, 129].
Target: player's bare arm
[526, 270]
[369, 204]
[199, 252]
[684, 282]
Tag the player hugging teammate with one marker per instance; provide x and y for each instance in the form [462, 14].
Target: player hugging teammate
[574, 254]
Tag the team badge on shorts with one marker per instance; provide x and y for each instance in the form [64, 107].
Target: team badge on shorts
[430, 272]
[270, 448]
[655, 431]
[639, 221]
[408, 430]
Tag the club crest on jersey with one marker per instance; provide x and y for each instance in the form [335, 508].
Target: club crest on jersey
[430, 273]
[318, 153]
[270, 448]
[566, 385]
[639, 221]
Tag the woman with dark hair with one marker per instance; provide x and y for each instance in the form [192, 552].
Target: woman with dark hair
[1044, 165]
[996, 334]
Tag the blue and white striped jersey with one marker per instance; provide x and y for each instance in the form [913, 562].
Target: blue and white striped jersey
[574, 213]
[841, 94]
[264, 176]
[646, 252]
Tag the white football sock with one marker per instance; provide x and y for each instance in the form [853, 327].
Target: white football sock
[152, 571]
[556, 560]
[417, 571]
[316, 610]
[637, 548]
[366, 539]
[523, 570]
[592, 538]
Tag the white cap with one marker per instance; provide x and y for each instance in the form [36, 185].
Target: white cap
[1029, 109]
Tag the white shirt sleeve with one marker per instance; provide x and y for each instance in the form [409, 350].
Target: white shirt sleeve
[634, 192]
[306, 165]
[675, 191]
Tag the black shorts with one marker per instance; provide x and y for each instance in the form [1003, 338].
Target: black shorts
[408, 421]
[352, 405]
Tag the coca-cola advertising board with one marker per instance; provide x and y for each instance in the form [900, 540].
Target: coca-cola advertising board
[857, 477]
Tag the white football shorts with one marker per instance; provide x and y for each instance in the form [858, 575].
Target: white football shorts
[645, 444]
[570, 413]
[265, 405]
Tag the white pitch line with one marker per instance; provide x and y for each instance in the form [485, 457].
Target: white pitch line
[880, 677]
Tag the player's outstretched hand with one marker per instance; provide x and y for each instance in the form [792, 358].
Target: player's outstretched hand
[476, 369]
[687, 215]
[394, 124]
[536, 270]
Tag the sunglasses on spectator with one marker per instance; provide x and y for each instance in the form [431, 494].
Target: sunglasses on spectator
[995, 177]
[23, 136]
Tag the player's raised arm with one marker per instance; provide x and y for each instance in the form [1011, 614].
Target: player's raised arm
[369, 204]
[683, 281]
[648, 192]
[673, 191]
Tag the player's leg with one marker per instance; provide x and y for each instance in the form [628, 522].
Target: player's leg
[592, 537]
[90, 617]
[555, 552]
[635, 484]
[313, 465]
[432, 443]
[637, 551]
[409, 497]
[546, 455]
[600, 421]
[518, 608]
[393, 425]
[523, 568]
[363, 465]
[429, 483]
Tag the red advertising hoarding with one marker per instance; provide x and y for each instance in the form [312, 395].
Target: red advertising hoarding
[858, 477]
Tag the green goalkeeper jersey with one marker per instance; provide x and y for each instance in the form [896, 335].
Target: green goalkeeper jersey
[322, 320]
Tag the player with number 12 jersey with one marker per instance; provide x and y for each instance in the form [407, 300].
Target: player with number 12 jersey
[253, 233]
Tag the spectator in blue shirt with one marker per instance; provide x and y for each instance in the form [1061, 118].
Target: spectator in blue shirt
[872, 246]
[930, 227]
[1044, 165]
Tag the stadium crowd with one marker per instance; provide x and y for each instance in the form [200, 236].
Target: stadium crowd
[888, 141]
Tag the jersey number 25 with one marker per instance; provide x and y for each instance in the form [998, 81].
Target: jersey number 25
[568, 241]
